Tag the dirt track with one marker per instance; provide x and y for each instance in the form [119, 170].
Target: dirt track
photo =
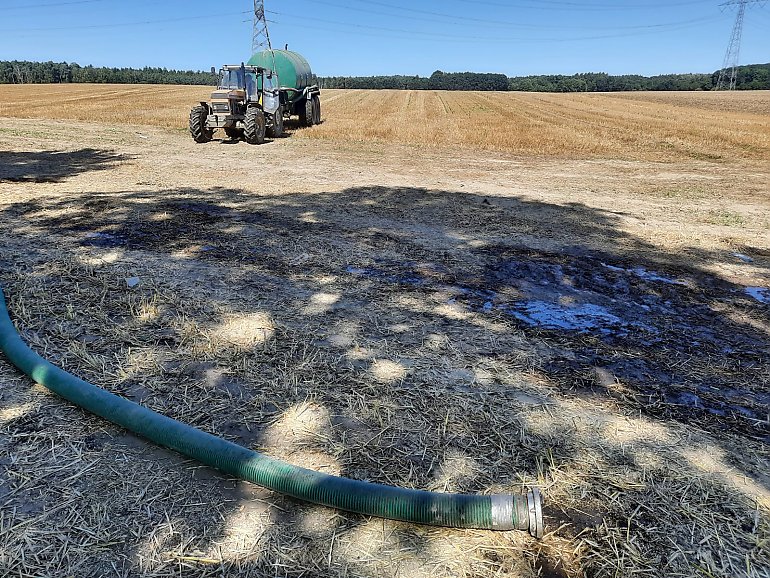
[439, 319]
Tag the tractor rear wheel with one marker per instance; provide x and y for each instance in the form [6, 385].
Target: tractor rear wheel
[306, 116]
[198, 129]
[254, 126]
[275, 130]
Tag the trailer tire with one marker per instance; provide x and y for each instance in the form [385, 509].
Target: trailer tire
[198, 129]
[306, 114]
[316, 109]
[275, 130]
[254, 126]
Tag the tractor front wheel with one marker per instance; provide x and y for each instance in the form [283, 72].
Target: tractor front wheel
[198, 129]
[254, 126]
[275, 130]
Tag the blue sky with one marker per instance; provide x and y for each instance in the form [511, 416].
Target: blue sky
[368, 37]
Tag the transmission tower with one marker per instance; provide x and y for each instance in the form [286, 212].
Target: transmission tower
[260, 37]
[733, 54]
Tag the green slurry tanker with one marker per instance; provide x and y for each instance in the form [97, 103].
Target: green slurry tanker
[300, 95]
[252, 100]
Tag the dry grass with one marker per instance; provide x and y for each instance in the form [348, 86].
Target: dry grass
[163, 106]
[655, 126]
[650, 126]
[249, 322]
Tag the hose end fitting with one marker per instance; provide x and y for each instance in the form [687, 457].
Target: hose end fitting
[535, 510]
[519, 512]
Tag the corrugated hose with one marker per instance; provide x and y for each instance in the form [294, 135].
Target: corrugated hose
[490, 512]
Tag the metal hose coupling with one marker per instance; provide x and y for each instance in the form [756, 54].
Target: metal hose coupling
[523, 512]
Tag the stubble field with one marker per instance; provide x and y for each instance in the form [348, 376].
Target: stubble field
[642, 126]
[446, 291]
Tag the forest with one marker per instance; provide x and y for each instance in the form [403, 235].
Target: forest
[750, 77]
[24, 72]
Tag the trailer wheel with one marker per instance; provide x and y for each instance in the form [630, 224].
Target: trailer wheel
[233, 133]
[306, 114]
[275, 130]
[198, 128]
[316, 109]
[254, 126]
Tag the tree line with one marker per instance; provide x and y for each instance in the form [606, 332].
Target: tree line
[24, 72]
[750, 77]
[437, 81]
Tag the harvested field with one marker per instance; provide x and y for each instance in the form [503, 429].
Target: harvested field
[650, 126]
[453, 318]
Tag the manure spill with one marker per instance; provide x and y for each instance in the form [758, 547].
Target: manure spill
[761, 294]
[669, 337]
[582, 317]
[388, 277]
[101, 239]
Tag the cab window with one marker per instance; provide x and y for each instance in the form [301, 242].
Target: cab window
[231, 79]
[251, 83]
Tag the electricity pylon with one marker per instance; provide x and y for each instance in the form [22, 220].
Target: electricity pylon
[260, 37]
[733, 54]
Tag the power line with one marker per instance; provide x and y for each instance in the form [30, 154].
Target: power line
[122, 24]
[437, 36]
[410, 34]
[640, 29]
[430, 16]
[581, 6]
[622, 6]
[51, 4]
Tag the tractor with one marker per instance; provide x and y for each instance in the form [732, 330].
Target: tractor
[246, 104]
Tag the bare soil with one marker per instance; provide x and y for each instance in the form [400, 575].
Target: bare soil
[444, 318]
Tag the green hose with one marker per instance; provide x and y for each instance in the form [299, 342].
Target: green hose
[498, 512]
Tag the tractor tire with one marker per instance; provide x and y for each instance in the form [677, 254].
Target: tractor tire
[275, 130]
[306, 116]
[316, 110]
[254, 126]
[198, 129]
[233, 133]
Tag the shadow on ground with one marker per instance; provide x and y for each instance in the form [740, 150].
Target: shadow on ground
[53, 167]
[422, 334]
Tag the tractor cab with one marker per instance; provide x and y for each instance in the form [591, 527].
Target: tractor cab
[236, 86]
[246, 83]
[232, 79]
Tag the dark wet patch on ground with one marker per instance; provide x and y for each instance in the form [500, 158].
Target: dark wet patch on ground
[382, 275]
[241, 434]
[104, 240]
[578, 520]
[668, 335]
[570, 317]
[585, 295]
[547, 569]
[399, 272]
[761, 294]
